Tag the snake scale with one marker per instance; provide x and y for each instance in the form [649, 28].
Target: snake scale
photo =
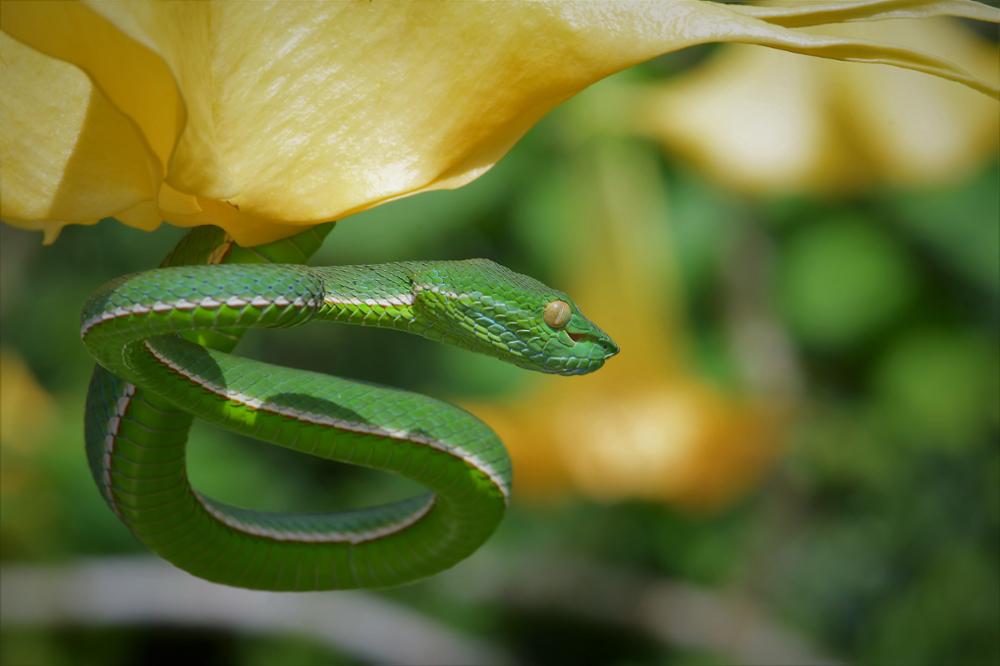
[163, 339]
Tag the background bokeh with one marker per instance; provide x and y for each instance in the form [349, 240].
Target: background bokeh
[793, 460]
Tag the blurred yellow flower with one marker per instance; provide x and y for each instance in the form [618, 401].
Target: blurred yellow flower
[27, 416]
[26, 419]
[261, 117]
[26, 409]
[630, 435]
[645, 426]
[763, 120]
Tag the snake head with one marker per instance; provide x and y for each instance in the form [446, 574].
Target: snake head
[482, 306]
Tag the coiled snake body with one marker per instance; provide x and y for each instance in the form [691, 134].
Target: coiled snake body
[162, 339]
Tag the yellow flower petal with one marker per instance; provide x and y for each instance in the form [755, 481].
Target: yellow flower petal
[763, 120]
[63, 169]
[817, 12]
[916, 129]
[262, 117]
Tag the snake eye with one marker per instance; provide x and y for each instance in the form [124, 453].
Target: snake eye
[557, 314]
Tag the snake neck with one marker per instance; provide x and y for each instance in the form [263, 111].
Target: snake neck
[373, 295]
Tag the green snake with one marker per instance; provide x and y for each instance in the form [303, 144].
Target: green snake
[163, 339]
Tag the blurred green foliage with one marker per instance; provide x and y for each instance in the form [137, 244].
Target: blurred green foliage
[877, 538]
[843, 279]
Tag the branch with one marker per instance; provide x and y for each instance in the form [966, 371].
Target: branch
[675, 613]
[119, 591]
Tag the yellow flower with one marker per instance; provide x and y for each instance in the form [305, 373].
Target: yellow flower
[263, 117]
[27, 416]
[760, 119]
[26, 408]
[645, 426]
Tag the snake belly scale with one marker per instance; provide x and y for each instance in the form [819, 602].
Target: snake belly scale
[163, 340]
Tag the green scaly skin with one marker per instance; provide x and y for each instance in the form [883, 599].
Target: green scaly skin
[162, 340]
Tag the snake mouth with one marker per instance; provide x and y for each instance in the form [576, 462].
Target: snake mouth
[605, 343]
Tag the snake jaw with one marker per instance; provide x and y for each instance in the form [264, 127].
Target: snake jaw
[606, 343]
